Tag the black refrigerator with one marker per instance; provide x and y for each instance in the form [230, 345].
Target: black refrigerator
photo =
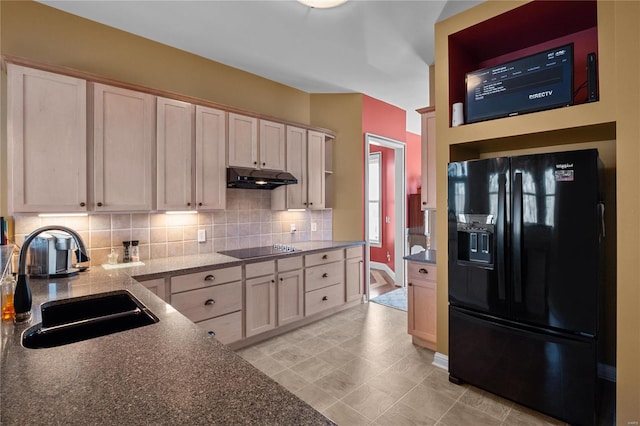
[525, 265]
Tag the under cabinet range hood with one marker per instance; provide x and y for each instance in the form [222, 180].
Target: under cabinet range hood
[240, 177]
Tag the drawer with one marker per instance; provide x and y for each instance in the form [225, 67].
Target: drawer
[324, 276]
[324, 257]
[227, 328]
[209, 302]
[354, 252]
[421, 271]
[205, 279]
[324, 298]
[261, 268]
[289, 263]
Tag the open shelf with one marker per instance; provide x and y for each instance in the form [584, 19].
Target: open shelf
[522, 31]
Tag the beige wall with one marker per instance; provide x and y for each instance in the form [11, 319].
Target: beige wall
[613, 126]
[343, 114]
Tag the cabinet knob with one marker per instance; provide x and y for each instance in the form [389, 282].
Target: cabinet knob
[264, 164]
[325, 298]
[189, 204]
[255, 163]
[423, 271]
[99, 204]
[209, 302]
[325, 257]
[281, 279]
[410, 285]
[424, 202]
[212, 333]
[325, 275]
[82, 204]
[273, 281]
[310, 204]
[199, 204]
[209, 278]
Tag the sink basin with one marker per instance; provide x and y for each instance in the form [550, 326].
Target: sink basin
[80, 318]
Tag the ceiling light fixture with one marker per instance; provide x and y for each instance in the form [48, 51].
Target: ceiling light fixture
[322, 4]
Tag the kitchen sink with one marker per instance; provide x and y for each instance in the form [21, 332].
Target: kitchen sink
[81, 318]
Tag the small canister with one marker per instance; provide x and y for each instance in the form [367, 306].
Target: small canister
[126, 257]
[135, 251]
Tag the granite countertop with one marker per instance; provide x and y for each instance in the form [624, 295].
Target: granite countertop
[171, 372]
[427, 256]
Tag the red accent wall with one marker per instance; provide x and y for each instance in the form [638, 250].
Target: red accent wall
[383, 119]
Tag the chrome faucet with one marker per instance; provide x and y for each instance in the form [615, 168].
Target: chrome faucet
[22, 296]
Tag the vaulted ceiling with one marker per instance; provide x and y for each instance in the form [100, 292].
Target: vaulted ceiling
[380, 48]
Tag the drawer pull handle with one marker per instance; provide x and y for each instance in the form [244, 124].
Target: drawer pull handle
[212, 333]
[325, 257]
[410, 285]
[325, 275]
[209, 302]
[423, 271]
[325, 298]
[209, 278]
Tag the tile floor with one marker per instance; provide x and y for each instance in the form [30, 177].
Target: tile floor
[359, 367]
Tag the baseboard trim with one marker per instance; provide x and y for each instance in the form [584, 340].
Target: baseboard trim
[441, 361]
[384, 267]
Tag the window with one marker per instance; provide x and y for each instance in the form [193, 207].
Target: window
[375, 198]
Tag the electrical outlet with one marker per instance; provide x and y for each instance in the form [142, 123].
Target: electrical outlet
[202, 235]
[293, 228]
[314, 227]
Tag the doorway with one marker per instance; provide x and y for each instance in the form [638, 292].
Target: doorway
[385, 208]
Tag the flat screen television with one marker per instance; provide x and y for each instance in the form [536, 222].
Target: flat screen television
[532, 83]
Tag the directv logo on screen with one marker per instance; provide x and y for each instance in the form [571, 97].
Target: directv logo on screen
[533, 83]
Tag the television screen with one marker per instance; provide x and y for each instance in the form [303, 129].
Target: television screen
[533, 83]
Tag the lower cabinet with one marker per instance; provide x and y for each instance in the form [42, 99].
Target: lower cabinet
[290, 290]
[157, 286]
[212, 299]
[421, 299]
[354, 273]
[324, 281]
[260, 298]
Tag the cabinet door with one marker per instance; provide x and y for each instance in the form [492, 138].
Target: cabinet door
[174, 151]
[421, 301]
[297, 166]
[47, 141]
[315, 172]
[156, 286]
[353, 278]
[243, 141]
[123, 131]
[260, 299]
[272, 145]
[428, 193]
[290, 297]
[211, 154]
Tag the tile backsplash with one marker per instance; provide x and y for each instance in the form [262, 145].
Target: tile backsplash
[248, 221]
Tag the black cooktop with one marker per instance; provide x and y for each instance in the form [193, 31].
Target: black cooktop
[248, 253]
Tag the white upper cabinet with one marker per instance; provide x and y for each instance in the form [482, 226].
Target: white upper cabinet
[243, 141]
[174, 154]
[211, 176]
[428, 193]
[272, 145]
[316, 170]
[47, 140]
[297, 166]
[123, 133]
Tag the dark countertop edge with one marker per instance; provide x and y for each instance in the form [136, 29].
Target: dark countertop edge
[428, 256]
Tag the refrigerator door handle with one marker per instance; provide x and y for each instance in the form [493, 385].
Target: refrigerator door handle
[517, 237]
[501, 228]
